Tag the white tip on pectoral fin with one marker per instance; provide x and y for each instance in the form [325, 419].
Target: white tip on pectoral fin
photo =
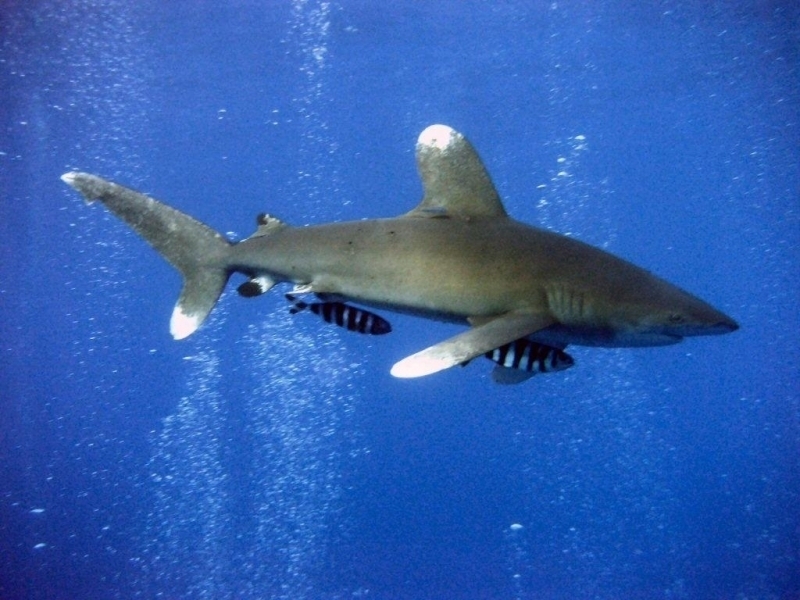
[419, 365]
[466, 346]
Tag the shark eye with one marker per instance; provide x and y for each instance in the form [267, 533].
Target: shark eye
[676, 318]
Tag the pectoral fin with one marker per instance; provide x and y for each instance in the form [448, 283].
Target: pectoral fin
[472, 343]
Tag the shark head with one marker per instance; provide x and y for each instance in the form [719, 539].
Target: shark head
[666, 315]
[628, 306]
[674, 324]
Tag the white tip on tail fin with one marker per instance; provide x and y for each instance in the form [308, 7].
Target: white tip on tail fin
[182, 325]
[202, 288]
[200, 254]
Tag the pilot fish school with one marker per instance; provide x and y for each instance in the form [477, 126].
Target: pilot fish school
[522, 358]
[525, 293]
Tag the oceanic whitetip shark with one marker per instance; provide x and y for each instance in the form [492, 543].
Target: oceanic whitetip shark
[457, 257]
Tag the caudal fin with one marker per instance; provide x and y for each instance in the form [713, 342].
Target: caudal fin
[196, 250]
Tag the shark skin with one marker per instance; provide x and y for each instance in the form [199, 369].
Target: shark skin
[457, 257]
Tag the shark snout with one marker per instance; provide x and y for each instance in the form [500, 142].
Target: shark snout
[727, 325]
[721, 323]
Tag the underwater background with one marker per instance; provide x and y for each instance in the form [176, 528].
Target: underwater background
[272, 455]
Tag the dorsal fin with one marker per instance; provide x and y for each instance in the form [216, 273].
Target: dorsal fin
[454, 180]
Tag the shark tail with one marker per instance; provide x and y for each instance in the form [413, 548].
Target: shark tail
[200, 254]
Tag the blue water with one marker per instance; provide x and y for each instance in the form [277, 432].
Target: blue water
[273, 456]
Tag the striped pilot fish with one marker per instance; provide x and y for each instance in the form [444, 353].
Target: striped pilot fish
[343, 315]
[522, 359]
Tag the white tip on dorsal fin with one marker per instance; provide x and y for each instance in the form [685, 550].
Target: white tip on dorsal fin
[455, 182]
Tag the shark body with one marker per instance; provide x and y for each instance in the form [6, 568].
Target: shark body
[457, 256]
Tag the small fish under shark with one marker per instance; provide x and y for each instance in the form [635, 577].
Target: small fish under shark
[522, 359]
[343, 315]
[524, 292]
[516, 361]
